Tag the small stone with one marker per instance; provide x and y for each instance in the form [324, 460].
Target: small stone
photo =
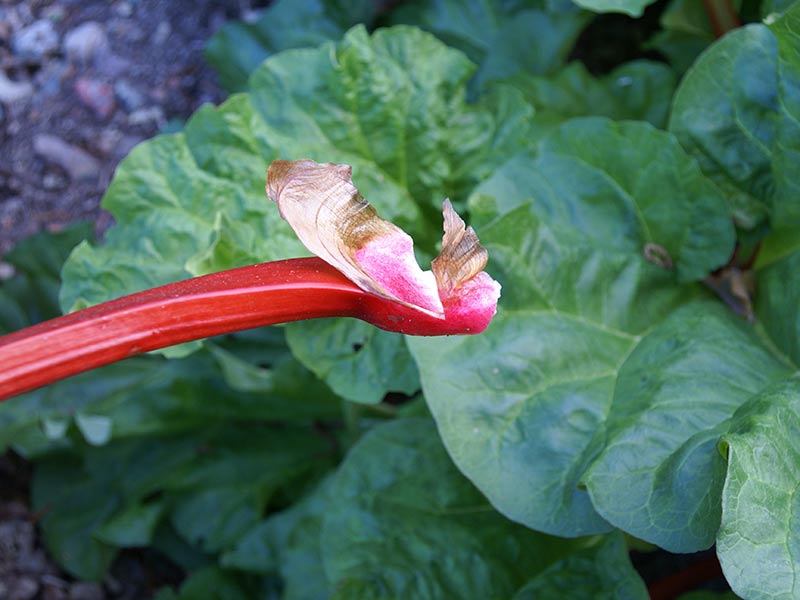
[111, 65]
[54, 593]
[123, 8]
[126, 144]
[108, 140]
[85, 41]
[97, 95]
[129, 96]
[13, 91]
[36, 40]
[51, 181]
[54, 13]
[7, 271]
[162, 33]
[32, 563]
[86, 591]
[147, 115]
[79, 164]
[22, 588]
[50, 77]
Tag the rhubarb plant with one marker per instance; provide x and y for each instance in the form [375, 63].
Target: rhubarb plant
[640, 380]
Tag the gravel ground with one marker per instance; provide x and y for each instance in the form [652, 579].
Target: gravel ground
[81, 83]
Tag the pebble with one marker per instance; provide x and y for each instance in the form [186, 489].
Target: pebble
[111, 65]
[147, 115]
[97, 95]
[79, 164]
[123, 8]
[36, 40]
[54, 593]
[51, 181]
[86, 591]
[13, 91]
[85, 41]
[50, 77]
[162, 33]
[7, 271]
[22, 588]
[130, 98]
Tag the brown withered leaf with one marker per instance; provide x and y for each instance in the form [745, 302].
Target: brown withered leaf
[328, 214]
[462, 257]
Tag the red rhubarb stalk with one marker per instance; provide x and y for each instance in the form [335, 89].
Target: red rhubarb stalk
[722, 15]
[224, 302]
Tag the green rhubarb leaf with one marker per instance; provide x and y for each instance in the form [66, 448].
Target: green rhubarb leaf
[148, 396]
[634, 8]
[213, 583]
[686, 30]
[74, 506]
[497, 35]
[775, 7]
[239, 47]
[640, 90]
[778, 304]
[600, 571]
[213, 485]
[624, 184]
[738, 112]
[358, 361]
[31, 294]
[402, 522]
[659, 476]
[759, 540]
[579, 299]
[288, 543]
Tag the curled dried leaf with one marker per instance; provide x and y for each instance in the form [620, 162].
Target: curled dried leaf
[462, 256]
[328, 213]
[336, 223]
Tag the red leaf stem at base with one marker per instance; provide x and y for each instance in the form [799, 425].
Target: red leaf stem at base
[224, 302]
[723, 16]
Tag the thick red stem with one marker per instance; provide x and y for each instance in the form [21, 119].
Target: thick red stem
[265, 294]
[722, 15]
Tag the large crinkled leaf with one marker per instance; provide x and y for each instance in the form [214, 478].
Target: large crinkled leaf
[288, 543]
[359, 362]
[639, 90]
[738, 111]
[497, 35]
[624, 184]
[392, 105]
[686, 31]
[213, 484]
[589, 368]
[634, 8]
[402, 522]
[577, 294]
[239, 47]
[778, 303]
[600, 571]
[659, 476]
[759, 541]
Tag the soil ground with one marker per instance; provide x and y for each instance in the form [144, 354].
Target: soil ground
[81, 83]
